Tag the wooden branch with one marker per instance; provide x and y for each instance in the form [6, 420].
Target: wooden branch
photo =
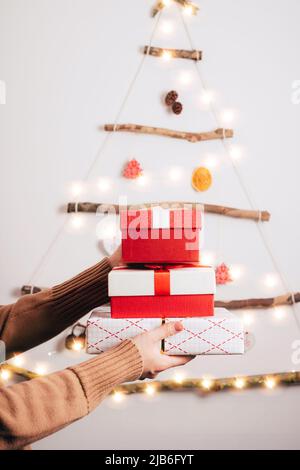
[104, 208]
[270, 302]
[174, 53]
[190, 136]
[184, 3]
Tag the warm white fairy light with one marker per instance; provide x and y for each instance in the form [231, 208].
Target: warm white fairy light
[248, 318]
[208, 258]
[279, 312]
[175, 174]
[185, 77]
[166, 3]
[228, 116]
[5, 374]
[40, 369]
[166, 55]
[18, 360]
[235, 152]
[270, 383]
[207, 97]
[76, 188]
[150, 390]
[207, 383]
[167, 27]
[236, 272]
[211, 162]
[239, 383]
[271, 280]
[104, 184]
[76, 221]
[188, 10]
[178, 378]
[142, 180]
[77, 345]
[118, 396]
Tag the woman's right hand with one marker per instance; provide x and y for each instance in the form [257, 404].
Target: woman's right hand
[149, 346]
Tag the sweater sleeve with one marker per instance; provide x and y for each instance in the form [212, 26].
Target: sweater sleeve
[36, 318]
[32, 410]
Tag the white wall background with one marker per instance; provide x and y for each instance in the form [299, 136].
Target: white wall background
[67, 65]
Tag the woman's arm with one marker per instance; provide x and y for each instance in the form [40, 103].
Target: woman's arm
[36, 318]
[32, 410]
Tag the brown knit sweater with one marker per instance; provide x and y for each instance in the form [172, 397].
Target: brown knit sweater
[32, 410]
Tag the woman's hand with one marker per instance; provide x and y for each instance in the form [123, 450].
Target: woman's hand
[149, 344]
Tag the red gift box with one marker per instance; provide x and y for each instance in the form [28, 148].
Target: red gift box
[161, 235]
[162, 291]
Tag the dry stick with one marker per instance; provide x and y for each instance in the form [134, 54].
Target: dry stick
[185, 3]
[103, 208]
[286, 299]
[174, 53]
[190, 136]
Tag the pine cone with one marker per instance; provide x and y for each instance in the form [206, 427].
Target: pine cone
[171, 97]
[177, 107]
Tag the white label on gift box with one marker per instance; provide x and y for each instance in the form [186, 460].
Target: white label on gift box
[222, 333]
[128, 282]
[160, 217]
[192, 281]
[104, 333]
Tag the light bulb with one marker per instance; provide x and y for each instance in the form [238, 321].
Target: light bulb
[211, 162]
[227, 117]
[239, 383]
[207, 258]
[104, 184]
[40, 369]
[167, 27]
[77, 345]
[76, 221]
[166, 55]
[279, 312]
[142, 180]
[76, 188]
[206, 384]
[248, 319]
[178, 378]
[5, 374]
[185, 77]
[188, 10]
[270, 383]
[166, 3]
[236, 272]
[271, 280]
[235, 152]
[118, 397]
[18, 360]
[150, 389]
[207, 97]
[175, 174]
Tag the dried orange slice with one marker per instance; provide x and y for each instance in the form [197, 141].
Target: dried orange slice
[201, 179]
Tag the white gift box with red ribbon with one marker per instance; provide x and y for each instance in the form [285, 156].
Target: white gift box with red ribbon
[221, 334]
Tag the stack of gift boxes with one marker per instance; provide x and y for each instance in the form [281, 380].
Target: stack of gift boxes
[164, 281]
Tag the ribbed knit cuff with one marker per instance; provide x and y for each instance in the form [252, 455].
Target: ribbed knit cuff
[82, 293]
[100, 375]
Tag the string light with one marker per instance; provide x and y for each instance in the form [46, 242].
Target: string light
[206, 383]
[18, 360]
[166, 3]
[77, 345]
[271, 280]
[235, 152]
[236, 272]
[211, 162]
[240, 383]
[166, 55]
[175, 174]
[5, 374]
[167, 27]
[76, 189]
[142, 180]
[188, 10]
[150, 389]
[270, 383]
[104, 184]
[178, 378]
[41, 369]
[118, 396]
[208, 258]
[76, 221]
[185, 78]
[207, 97]
[279, 312]
[248, 319]
[227, 117]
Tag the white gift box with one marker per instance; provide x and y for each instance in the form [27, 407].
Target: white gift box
[222, 333]
[104, 332]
